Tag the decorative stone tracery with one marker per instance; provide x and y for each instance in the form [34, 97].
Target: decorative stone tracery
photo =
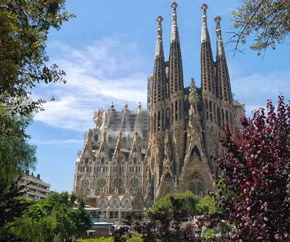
[132, 158]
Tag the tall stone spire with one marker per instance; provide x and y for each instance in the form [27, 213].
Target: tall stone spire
[175, 60]
[204, 30]
[159, 43]
[104, 145]
[135, 146]
[220, 47]
[207, 65]
[118, 147]
[210, 102]
[176, 104]
[174, 28]
[223, 77]
[158, 85]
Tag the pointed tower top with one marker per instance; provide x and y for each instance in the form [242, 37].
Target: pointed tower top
[125, 106]
[224, 91]
[135, 145]
[119, 140]
[204, 7]
[118, 145]
[218, 26]
[174, 5]
[103, 146]
[174, 29]
[193, 96]
[159, 19]
[135, 137]
[220, 47]
[204, 31]
[192, 82]
[139, 107]
[159, 45]
[112, 107]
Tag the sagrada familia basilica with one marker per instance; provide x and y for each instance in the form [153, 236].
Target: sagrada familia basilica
[133, 158]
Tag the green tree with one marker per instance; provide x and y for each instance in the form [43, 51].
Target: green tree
[209, 235]
[16, 155]
[165, 221]
[207, 205]
[265, 22]
[23, 65]
[23, 61]
[12, 205]
[188, 205]
[55, 219]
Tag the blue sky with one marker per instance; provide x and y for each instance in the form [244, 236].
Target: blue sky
[108, 52]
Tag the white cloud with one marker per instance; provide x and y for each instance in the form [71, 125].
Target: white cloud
[112, 70]
[97, 74]
[56, 141]
[254, 90]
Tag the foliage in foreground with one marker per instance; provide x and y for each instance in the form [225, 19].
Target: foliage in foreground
[23, 65]
[207, 205]
[265, 22]
[23, 62]
[256, 168]
[170, 205]
[101, 239]
[253, 201]
[12, 206]
[55, 219]
[168, 221]
[16, 155]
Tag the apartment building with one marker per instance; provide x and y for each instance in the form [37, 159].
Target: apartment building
[35, 189]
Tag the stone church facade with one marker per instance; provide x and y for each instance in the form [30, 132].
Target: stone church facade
[133, 158]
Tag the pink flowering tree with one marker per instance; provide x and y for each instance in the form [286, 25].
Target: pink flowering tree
[255, 167]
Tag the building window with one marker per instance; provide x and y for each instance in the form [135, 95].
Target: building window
[96, 137]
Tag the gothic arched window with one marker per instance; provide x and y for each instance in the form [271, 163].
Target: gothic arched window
[96, 137]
